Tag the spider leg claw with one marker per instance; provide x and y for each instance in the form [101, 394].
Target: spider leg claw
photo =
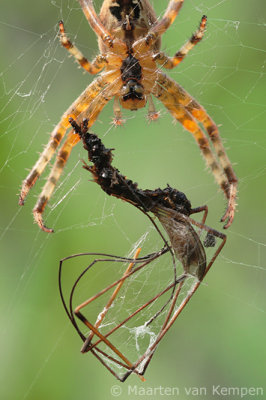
[153, 116]
[229, 216]
[118, 121]
[21, 200]
[26, 186]
[38, 219]
[230, 211]
[23, 193]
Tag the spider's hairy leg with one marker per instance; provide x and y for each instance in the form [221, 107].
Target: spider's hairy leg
[153, 115]
[55, 174]
[161, 26]
[58, 133]
[56, 137]
[230, 211]
[156, 31]
[92, 67]
[118, 117]
[175, 99]
[171, 62]
[212, 130]
[95, 22]
[90, 110]
[98, 27]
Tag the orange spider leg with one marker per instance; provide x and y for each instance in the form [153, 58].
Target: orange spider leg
[177, 101]
[106, 40]
[169, 16]
[95, 22]
[98, 27]
[171, 62]
[58, 133]
[118, 116]
[211, 128]
[153, 115]
[56, 137]
[146, 43]
[92, 67]
[90, 110]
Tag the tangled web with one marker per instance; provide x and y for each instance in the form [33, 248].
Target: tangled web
[133, 313]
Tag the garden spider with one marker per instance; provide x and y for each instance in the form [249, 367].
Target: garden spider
[173, 210]
[129, 38]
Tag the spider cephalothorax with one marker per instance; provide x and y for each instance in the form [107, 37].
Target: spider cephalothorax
[129, 38]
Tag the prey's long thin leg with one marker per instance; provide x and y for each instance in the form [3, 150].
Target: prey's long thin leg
[170, 321]
[109, 304]
[107, 342]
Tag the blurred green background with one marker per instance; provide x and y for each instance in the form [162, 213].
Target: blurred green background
[220, 337]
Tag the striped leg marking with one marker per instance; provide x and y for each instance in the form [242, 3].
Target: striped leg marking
[58, 133]
[92, 67]
[187, 111]
[91, 113]
[172, 62]
[167, 20]
[96, 23]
